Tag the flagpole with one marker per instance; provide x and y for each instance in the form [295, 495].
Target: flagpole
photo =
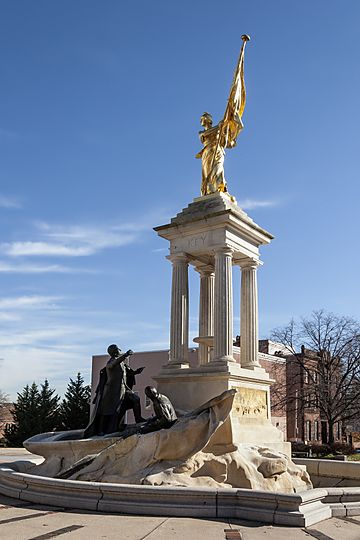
[245, 38]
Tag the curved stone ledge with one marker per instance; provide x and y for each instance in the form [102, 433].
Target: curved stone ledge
[299, 509]
[327, 473]
[343, 501]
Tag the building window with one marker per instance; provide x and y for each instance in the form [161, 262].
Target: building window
[306, 376]
[316, 430]
[308, 430]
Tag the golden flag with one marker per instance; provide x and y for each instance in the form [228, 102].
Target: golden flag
[232, 124]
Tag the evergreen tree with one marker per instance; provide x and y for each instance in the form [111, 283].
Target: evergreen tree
[26, 416]
[75, 408]
[35, 411]
[49, 409]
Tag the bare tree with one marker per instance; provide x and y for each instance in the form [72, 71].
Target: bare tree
[4, 398]
[4, 411]
[327, 349]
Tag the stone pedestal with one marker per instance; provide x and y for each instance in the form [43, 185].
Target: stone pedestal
[250, 418]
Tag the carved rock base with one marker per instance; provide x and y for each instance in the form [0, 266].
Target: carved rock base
[190, 453]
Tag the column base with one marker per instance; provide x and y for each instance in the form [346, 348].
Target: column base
[222, 360]
[176, 365]
[253, 367]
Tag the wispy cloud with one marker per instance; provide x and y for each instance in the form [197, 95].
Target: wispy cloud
[8, 317]
[251, 204]
[56, 343]
[158, 250]
[46, 346]
[75, 241]
[24, 364]
[47, 249]
[41, 269]
[31, 301]
[9, 202]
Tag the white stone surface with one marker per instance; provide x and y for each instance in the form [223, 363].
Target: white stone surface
[179, 321]
[300, 509]
[188, 390]
[213, 233]
[249, 316]
[60, 454]
[206, 312]
[223, 315]
[329, 472]
[190, 453]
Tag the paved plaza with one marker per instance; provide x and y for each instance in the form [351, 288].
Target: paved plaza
[26, 521]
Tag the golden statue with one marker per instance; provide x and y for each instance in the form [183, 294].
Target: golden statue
[216, 138]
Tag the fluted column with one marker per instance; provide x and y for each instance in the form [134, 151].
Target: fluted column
[206, 312]
[249, 316]
[223, 315]
[179, 323]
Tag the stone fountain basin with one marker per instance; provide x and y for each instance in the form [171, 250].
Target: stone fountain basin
[299, 509]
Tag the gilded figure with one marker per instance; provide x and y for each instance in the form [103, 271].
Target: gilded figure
[224, 135]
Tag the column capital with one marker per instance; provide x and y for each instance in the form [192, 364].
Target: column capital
[250, 264]
[178, 258]
[205, 271]
[224, 250]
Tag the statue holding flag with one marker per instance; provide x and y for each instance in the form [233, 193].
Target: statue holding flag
[216, 138]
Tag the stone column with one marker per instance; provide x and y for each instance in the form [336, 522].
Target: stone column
[179, 323]
[249, 316]
[223, 305]
[206, 312]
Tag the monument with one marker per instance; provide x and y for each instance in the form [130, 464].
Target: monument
[211, 432]
[213, 234]
[212, 424]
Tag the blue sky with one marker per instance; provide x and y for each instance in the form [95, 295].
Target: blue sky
[99, 118]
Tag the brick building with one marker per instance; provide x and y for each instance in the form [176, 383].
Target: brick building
[6, 417]
[304, 420]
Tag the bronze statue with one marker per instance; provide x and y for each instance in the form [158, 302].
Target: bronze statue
[216, 138]
[165, 415]
[114, 395]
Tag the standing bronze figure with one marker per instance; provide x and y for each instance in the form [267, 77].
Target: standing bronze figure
[114, 395]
